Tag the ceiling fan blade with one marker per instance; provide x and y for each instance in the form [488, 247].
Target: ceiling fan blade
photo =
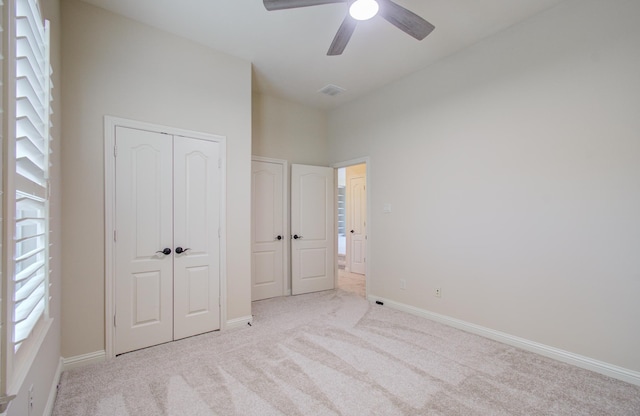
[405, 20]
[342, 37]
[293, 4]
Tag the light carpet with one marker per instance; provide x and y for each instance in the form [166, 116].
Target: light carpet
[334, 353]
[352, 282]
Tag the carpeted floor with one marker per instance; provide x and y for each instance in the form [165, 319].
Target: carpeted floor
[334, 353]
[352, 282]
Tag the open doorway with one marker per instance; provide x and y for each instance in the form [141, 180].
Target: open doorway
[352, 228]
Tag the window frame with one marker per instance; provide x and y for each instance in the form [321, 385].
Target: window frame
[16, 365]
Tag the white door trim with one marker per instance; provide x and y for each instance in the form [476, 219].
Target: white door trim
[110, 124]
[286, 285]
[358, 161]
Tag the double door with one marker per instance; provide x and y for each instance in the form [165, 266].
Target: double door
[167, 244]
[311, 238]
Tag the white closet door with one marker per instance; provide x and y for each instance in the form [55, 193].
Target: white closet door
[167, 250]
[268, 240]
[312, 228]
[144, 221]
[196, 230]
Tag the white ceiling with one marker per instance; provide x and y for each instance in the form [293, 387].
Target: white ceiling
[288, 47]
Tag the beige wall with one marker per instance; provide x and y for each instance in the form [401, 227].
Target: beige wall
[115, 66]
[290, 131]
[354, 170]
[513, 170]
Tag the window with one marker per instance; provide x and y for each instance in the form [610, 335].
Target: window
[26, 109]
[25, 159]
[31, 180]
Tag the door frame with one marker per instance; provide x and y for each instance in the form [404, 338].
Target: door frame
[365, 160]
[286, 284]
[110, 124]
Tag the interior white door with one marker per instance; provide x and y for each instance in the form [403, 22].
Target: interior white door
[167, 245]
[196, 223]
[357, 214]
[268, 240]
[312, 229]
[144, 221]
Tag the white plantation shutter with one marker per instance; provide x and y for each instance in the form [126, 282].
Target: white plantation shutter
[4, 399]
[33, 98]
[2, 115]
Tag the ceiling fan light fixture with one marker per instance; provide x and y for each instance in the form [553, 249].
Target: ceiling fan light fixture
[364, 9]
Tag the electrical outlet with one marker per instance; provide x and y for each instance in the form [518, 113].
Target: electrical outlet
[438, 292]
[403, 284]
[30, 403]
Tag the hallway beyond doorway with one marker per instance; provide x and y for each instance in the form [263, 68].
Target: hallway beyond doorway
[352, 282]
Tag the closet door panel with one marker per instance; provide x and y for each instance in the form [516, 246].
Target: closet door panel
[268, 239]
[196, 231]
[144, 227]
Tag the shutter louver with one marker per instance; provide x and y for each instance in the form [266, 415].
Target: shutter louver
[33, 98]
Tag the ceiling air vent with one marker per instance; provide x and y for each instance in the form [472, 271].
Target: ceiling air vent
[331, 90]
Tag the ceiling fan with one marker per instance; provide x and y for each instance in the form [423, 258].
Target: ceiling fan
[403, 19]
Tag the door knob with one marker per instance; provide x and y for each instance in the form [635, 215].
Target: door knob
[296, 236]
[181, 250]
[166, 251]
[352, 231]
[279, 237]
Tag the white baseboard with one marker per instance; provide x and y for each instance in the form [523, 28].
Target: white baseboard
[53, 391]
[581, 361]
[84, 359]
[239, 322]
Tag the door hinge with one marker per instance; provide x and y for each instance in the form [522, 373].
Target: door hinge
[114, 320]
[115, 151]
[115, 235]
[219, 163]
[219, 234]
